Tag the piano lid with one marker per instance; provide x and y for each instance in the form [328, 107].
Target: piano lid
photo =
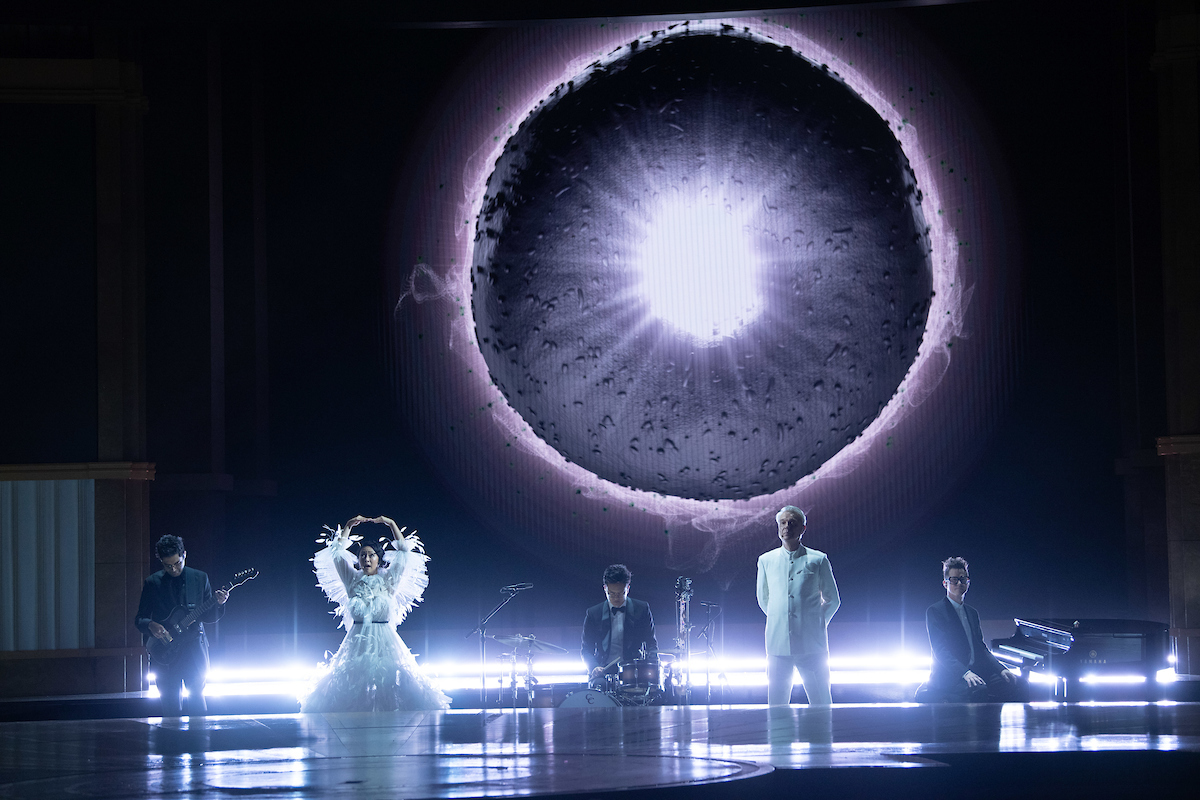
[1051, 631]
[1092, 627]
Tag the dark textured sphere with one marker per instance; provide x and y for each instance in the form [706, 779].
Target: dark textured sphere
[711, 161]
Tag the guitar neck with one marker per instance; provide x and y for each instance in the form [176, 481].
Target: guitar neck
[191, 618]
[201, 609]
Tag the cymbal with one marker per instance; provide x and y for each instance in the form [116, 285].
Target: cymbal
[508, 638]
[519, 641]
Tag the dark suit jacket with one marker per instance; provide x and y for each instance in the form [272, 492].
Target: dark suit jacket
[597, 628]
[951, 652]
[157, 602]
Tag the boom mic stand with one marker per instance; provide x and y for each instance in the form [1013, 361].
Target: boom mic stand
[713, 610]
[481, 629]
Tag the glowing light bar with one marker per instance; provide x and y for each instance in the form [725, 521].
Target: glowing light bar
[903, 677]
[297, 672]
[444, 668]
[697, 664]
[1113, 679]
[250, 681]
[900, 669]
[899, 661]
[1042, 677]
[244, 689]
[1021, 653]
[247, 688]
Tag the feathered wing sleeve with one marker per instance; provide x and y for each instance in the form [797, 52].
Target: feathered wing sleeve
[405, 573]
[334, 570]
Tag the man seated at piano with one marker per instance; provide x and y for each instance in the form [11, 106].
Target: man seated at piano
[619, 629]
[964, 669]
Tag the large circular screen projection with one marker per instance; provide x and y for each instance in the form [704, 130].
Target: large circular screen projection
[701, 268]
[653, 281]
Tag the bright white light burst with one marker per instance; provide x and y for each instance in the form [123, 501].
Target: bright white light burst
[699, 271]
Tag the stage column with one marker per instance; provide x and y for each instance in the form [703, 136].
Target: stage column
[1176, 61]
[121, 503]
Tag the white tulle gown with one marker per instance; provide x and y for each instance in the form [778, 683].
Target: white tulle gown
[373, 670]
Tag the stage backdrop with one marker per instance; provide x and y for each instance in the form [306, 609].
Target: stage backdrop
[653, 281]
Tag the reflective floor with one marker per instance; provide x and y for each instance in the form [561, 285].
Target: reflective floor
[546, 751]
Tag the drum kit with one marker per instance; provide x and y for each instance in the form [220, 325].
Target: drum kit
[524, 646]
[639, 682]
[646, 680]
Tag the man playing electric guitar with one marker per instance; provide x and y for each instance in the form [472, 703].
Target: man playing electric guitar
[177, 586]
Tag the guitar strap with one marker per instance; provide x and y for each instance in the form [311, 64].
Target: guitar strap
[192, 600]
[194, 596]
[178, 589]
[190, 591]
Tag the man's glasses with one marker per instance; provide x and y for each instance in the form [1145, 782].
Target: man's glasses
[955, 579]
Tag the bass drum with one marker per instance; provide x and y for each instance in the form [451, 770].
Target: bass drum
[588, 698]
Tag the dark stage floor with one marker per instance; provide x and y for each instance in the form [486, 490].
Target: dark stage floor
[1011, 750]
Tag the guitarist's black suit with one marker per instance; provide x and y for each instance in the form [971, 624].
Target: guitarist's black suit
[161, 593]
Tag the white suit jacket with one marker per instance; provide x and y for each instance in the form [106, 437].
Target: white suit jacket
[799, 597]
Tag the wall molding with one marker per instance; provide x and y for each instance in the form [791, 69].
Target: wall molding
[91, 470]
[71, 81]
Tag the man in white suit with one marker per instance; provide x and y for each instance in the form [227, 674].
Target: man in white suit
[797, 592]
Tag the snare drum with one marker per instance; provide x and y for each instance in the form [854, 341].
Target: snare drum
[642, 675]
[606, 683]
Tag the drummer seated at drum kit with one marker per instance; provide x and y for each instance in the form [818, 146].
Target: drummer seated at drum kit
[619, 631]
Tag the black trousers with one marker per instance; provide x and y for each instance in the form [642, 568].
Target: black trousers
[190, 669]
[995, 690]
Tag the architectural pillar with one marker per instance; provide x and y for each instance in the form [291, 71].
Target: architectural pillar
[1176, 61]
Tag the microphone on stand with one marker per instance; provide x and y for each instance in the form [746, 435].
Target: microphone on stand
[707, 604]
[517, 587]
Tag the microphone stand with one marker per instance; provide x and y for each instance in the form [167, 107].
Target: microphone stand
[683, 634]
[481, 629]
[706, 632]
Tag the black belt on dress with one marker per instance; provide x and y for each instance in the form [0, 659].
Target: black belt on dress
[373, 622]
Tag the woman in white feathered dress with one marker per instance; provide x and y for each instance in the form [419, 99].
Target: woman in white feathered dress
[373, 670]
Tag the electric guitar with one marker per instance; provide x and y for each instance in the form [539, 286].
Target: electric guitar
[181, 624]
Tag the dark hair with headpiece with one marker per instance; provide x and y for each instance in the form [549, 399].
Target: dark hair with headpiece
[617, 573]
[376, 547]
[954, 562]
[168, 546]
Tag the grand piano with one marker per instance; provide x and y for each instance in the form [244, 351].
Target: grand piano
[1075, 649]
